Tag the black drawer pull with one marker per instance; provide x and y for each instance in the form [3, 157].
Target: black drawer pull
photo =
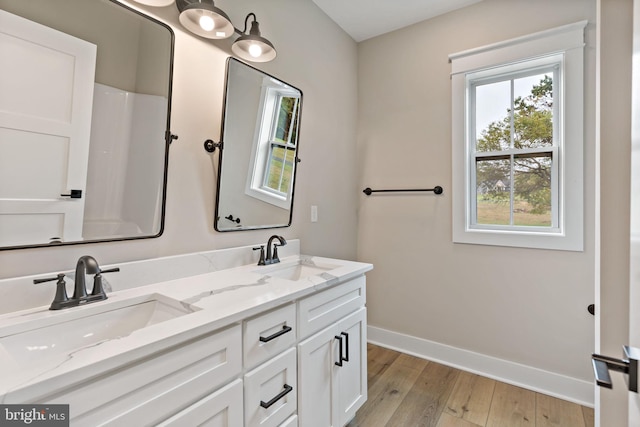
[346, 337]
[340, 359]
[283, 393]
[283, 331]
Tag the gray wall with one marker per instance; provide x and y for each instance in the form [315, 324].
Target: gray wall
[522, 305]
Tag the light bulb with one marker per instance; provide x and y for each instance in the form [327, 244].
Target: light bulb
[255, 50]
[206, 23]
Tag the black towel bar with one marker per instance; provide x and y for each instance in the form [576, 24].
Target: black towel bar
[437, 190]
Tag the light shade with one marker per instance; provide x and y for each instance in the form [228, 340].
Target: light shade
[155, 3]
[204, 19]
[253, 47]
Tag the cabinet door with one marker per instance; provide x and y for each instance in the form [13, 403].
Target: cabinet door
[332, 381]
[220, 409]
[350, 383]
[317, 356]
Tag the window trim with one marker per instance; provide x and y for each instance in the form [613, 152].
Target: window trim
[567, 43]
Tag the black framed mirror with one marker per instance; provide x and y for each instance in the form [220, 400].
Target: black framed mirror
[85, 98]
[259, 156]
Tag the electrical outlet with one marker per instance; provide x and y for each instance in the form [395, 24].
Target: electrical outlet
[314, 213]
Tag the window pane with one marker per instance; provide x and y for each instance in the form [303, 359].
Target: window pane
[280, 169]
[532, 190]
[493, 123]
[285, 117]
[493, 192]
[533, 111]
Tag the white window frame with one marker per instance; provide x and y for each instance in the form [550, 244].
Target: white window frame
[255, 186]
[560, 47]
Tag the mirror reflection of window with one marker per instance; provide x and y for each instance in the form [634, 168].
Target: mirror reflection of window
[282, 149]
[271, 178]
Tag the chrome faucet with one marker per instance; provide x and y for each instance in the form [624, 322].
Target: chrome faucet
[272, 257]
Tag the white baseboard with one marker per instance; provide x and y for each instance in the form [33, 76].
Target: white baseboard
[549, 383]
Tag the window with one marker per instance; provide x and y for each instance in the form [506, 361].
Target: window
[517, 141]
[274, 155]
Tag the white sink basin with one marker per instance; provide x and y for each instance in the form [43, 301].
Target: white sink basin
[296, 270]
[72, 329]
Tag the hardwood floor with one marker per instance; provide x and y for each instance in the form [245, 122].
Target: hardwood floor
[409, 391]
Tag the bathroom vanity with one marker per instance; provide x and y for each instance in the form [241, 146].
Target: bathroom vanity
[276, 345]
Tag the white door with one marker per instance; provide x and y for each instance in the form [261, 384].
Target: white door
[46, 94]
[634, 274]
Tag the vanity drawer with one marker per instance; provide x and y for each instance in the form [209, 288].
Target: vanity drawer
[222, 408]
[291, 422]
[270, 391]
[324, 308]
[149, 391]
[269, 334]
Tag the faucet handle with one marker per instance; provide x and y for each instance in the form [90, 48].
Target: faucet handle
[261, 249]
[274, 258]
[61, 300]
[98, 289]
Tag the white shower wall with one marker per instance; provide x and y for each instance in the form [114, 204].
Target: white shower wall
[123, 198]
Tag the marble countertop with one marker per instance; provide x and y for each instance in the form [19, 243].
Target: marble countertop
[216, 299]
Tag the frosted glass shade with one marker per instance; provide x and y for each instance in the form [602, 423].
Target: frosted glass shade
[155, 3]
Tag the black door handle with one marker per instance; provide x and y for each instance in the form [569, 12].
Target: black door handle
[74, 194]
[628, 365]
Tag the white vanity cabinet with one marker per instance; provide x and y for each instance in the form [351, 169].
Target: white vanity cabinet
[298, 360]
[332, 363]
[151, 390]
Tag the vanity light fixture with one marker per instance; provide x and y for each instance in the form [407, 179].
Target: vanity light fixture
[252, 46]
[203, 18]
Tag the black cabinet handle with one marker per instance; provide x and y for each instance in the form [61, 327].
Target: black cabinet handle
[340, 359]
[346, 338]
[281, 332]
[283, 393]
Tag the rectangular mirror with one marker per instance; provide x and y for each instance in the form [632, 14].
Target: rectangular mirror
[258, 161]
[85, 93]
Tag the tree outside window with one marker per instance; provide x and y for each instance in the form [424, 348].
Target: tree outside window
[514, 151]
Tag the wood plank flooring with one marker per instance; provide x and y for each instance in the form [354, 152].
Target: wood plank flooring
[409, 391]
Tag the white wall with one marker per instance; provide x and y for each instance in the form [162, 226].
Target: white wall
[323, 65]
[520, 305]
